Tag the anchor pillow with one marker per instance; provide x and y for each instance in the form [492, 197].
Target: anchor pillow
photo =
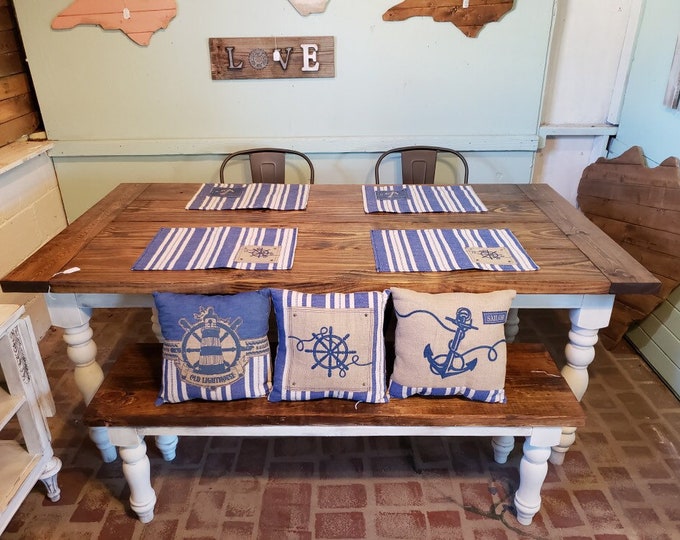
[214, 347]
[450, 344]
[330, 346]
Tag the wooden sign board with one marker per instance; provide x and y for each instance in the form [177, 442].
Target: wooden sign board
[272, 57]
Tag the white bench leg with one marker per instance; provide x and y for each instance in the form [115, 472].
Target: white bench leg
[100, 437]
[502, 446]
[512, 325]
[532, 471]
[137, 472]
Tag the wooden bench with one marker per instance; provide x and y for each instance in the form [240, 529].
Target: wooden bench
[539, 404]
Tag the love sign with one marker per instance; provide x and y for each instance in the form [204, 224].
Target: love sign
[272, 58]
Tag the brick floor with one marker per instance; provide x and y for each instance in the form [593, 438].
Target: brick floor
[619, 481]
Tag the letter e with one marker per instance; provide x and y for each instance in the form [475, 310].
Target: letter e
[309, 51]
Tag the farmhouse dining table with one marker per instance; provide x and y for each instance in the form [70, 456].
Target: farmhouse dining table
[89, 264]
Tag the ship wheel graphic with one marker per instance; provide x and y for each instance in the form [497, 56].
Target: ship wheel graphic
[330, 351]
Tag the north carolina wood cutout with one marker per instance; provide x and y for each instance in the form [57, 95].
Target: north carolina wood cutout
[639, 207]
[138, 19]
[305, 7]
[470, 16]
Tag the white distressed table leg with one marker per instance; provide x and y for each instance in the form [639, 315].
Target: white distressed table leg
[167, 444]
[502, 446]
[512, 325]
[532, 471]
[49, 479]
[580, 352]
[137, 472]
[67, 313]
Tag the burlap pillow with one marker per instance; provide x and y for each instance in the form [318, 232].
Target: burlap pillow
[450, 344]
[330, 346]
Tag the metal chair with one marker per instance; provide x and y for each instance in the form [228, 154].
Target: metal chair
[418, 163]
[267, 165]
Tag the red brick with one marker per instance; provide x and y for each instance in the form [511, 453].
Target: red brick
[295, 446]
[117, 525]
[252, 456]
[238, 530]
[340, 525]
[598, 511]
[444, 525]
[206, 510]
[478, 498]
[341, 468]
[159, 529]
[341, 446]
[399, 494]
[408, 525]
[558, 506]
[342, 496]
[92, 506]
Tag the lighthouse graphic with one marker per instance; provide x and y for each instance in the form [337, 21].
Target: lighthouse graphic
[211, 348]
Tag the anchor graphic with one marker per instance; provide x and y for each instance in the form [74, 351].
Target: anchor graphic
[454, 363]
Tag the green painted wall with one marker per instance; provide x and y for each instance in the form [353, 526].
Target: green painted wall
[118, 111]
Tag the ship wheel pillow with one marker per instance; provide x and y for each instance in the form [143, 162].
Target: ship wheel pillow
[330, 346]
[215, 347]
[450, 344]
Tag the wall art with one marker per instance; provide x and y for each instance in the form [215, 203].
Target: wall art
[470, 16]
[138, 19]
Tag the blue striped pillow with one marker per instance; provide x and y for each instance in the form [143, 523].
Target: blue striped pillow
[330, 346]
[450, 344]
[214, 347]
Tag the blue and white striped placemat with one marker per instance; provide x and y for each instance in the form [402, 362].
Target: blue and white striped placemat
[441, 250]
[250, 196]
[198, 248]
[418, 198]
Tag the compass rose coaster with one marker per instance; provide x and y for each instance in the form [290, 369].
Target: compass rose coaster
[215, 347]
[330, 346]
[420, 198]
[450, 344]
[442, 250]
[250, 196]
[199, 248]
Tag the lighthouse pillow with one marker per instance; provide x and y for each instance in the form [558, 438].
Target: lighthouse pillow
[214, 347]
[450, 344]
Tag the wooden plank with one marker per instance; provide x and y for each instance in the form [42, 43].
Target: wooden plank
[11, 63]
[8, 41]
[14, 129]
[14, 85]
[15, 107]
[625, 273]
[536, 396]
[34, 274]
[6, 19]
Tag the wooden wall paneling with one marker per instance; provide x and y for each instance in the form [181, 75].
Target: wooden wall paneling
[19, 114]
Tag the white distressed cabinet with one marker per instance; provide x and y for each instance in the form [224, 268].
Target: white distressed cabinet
[26, 395]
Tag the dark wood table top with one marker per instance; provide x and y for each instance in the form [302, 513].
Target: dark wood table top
[334, 250]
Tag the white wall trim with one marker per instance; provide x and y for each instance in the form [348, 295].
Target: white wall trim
[333, 145]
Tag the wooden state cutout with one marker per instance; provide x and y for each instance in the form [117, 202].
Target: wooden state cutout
[470, 16]
[639, 207]
[306, 7]
[138, 19]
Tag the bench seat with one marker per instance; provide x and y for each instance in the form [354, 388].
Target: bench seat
[539, 404]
